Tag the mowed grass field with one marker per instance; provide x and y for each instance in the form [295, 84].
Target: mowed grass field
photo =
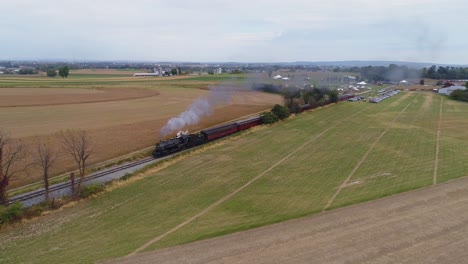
[331, 157]
[121, 113]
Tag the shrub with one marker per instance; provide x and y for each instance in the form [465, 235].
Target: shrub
[126, 176]
[51, 73]
[269, 118]
[34, 210]
[91, 189]
[281, 112]
[295, 108]
[11, 213]
[459, 95]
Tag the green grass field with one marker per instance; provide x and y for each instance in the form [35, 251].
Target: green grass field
[328, 158]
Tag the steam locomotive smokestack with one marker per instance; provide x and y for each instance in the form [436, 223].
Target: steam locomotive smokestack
[202, 107]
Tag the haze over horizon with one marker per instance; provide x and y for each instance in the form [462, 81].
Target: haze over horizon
[241, 31]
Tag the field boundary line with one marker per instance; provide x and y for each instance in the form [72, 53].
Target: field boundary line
[223, 199]
[358, 165]
[437, 150]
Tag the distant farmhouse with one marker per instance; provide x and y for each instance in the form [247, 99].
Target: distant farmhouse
[156, 72]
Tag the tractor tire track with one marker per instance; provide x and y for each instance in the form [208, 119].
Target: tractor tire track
[364, 158]
[437, 150]
[223, 199]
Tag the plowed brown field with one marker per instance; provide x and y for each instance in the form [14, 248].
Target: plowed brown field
[119, 119]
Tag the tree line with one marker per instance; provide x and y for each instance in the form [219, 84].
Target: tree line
[446, 73]
[392, 73]
[16, 157]
[395, 72]
[294, 97]
[62, 72]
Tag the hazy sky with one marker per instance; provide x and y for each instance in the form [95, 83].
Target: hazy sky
[244, 31]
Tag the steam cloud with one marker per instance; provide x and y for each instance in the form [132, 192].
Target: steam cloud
[202, 107]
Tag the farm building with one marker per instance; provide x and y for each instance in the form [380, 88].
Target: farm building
[146, 74]
[404, 82]
[449, 90]
[277, 77]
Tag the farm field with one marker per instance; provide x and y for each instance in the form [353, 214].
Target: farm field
[122, 114]
[422, 226]
[331, 157]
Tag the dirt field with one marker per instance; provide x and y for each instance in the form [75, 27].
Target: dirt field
[14, 97]
[422, 226]
[120, 118]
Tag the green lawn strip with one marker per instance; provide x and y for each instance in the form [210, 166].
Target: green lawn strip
[453, 154]
[301, 185]
[403, 160]
[120, 221]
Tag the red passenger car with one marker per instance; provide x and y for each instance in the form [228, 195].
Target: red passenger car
[219, 131]
[248, 123]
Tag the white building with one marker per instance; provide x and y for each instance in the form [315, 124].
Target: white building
[449, 90]
[146, 74]
[404, 82]
[277, 77]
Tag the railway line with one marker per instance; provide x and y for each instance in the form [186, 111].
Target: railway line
[64, 188]
[163, 150]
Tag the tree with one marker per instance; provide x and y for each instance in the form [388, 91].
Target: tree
[269, 118]
[12, 155]
[306, 95]
[270, 73]
[44, 159]
[466, 85]
[64, 72]
[334, 96]
[289, 96]
[174, 71]
[281, 112]
[51, 73]
[80, 147]
[421, 82]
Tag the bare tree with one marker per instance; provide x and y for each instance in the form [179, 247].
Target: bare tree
[11, 156]
[45, 159]
[79, 145]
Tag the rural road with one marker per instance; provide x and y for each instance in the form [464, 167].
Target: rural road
[429, 225]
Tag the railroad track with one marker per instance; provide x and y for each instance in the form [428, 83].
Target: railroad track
[64, 185]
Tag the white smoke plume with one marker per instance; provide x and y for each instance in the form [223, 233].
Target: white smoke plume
[202, 107]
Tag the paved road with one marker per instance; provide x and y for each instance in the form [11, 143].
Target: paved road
[429, 225]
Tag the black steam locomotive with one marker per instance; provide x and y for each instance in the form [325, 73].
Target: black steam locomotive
[185, 141]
